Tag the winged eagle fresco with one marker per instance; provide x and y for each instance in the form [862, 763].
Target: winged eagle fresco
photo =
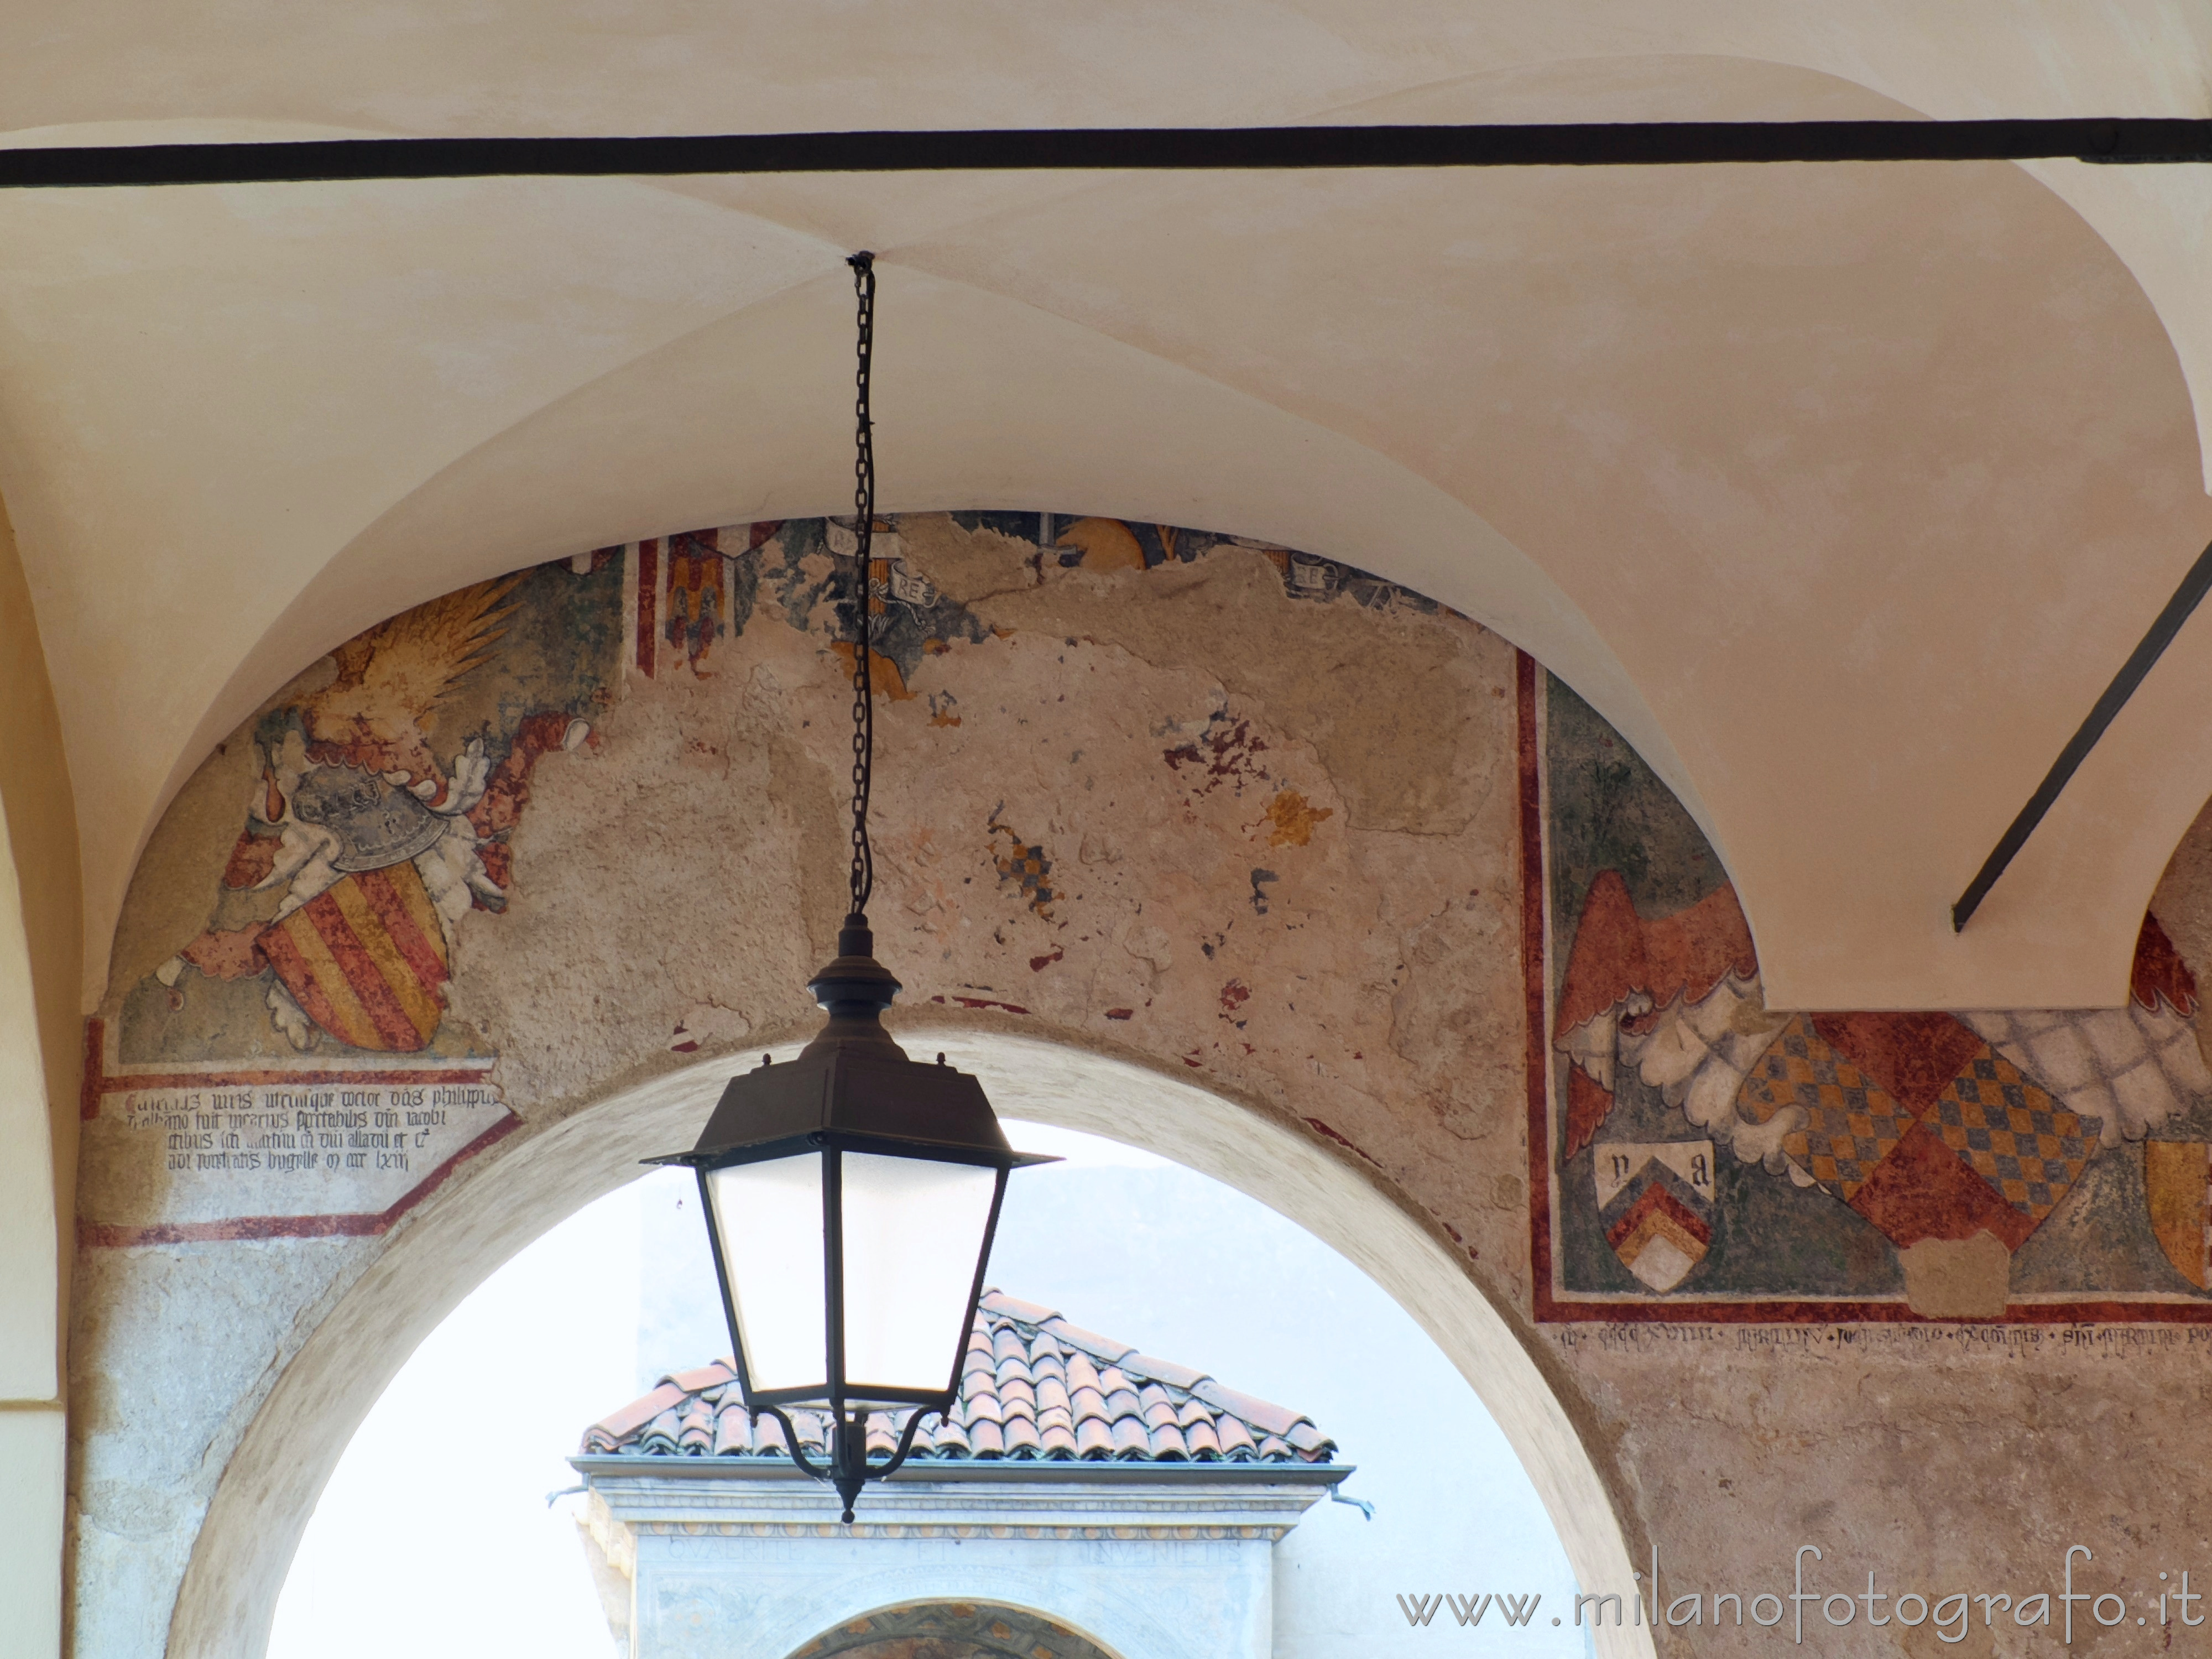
[377, 844]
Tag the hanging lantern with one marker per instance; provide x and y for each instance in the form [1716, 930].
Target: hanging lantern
[852, 1193]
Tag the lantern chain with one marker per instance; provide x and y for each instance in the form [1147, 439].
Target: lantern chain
[864, 510]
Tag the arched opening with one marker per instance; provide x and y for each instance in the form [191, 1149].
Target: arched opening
[269, 1490]
[951, 1630]
[1284, 942]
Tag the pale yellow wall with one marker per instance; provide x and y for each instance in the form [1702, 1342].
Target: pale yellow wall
[31, 1454]
[40, 952]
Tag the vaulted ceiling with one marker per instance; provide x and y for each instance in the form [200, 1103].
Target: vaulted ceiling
[1842, 490]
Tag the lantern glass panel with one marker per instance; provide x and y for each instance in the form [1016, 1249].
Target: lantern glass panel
[916, 1232]
[769, 1217]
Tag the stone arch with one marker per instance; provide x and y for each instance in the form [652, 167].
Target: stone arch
[1161, 836]
[945, 1629]
[268, 1490]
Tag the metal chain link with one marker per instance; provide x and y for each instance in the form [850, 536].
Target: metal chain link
[864, 508]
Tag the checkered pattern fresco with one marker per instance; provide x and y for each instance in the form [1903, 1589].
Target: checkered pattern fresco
[1851, 1124]
[2129, 1068]
[2028, 1146]
[2012, 1134]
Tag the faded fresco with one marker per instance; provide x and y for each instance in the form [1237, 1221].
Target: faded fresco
[576, 836]
[292, 1064]
[1709, 1158]
[291, 1068]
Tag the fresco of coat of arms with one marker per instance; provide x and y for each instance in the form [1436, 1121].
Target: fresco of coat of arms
[387, 784]
[1711, 1158]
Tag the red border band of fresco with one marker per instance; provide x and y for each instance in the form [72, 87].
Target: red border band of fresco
[1550, 1308]
[1532, 981]
[648, 592]
[364, 1225]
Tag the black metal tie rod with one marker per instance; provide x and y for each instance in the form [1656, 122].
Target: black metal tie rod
[1626, 143]
[2147, 651]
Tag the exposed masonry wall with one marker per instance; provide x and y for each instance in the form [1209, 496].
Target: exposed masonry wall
[1179, 816]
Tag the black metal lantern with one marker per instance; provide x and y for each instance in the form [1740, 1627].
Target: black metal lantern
[851, 1194]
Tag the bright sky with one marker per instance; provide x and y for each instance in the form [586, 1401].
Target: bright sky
[434, 1538]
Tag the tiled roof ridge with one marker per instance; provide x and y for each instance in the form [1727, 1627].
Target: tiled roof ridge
[1033, 1387]
[1261, 1413]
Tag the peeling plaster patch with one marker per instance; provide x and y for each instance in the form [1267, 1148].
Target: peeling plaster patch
[965, 565]
[1150, 946]
[1957, 1278]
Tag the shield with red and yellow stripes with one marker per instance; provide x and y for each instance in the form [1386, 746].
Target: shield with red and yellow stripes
[365, 958]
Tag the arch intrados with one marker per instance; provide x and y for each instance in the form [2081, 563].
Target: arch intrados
[829, 1647]
[478, 1220]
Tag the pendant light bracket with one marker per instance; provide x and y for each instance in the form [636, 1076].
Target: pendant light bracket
[848, 1469]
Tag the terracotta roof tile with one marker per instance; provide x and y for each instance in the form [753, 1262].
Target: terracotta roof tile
[1021, 1312]
[1258, 1413]
[707, 1376]
[1162, 1370]
[1032, 1387]
[639, 1412]
[1099, 1347]
[732, 1436]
